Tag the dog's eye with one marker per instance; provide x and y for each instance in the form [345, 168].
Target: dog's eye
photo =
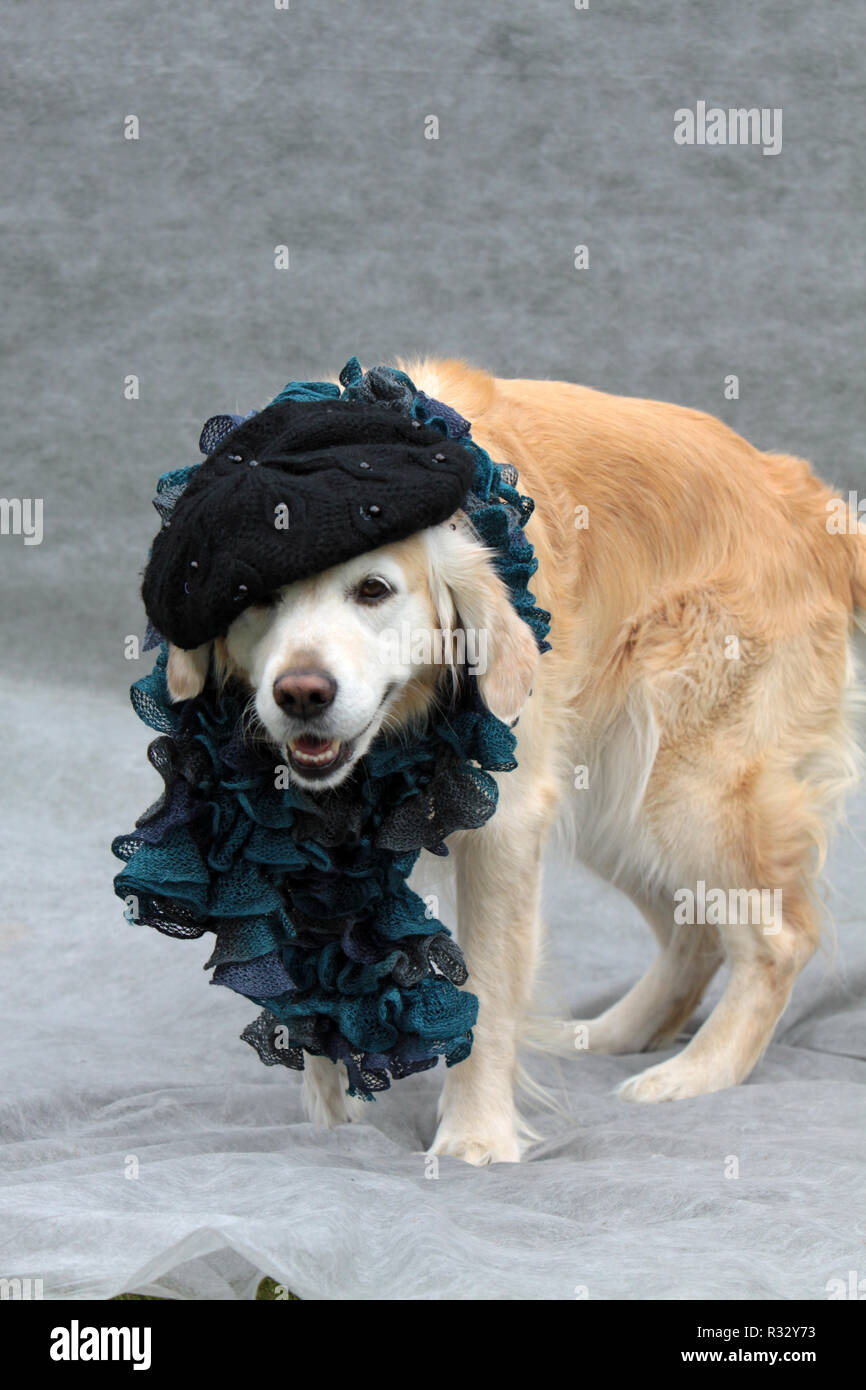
[373, 589]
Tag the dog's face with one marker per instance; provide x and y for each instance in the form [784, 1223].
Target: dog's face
[325, 681]
[334, 659]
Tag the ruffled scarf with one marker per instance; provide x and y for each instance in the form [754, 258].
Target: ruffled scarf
[307, 896]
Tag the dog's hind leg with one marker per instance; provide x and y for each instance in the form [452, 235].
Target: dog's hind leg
[726, 1048]
[755, 752]
[657, 1007]
[770, 931]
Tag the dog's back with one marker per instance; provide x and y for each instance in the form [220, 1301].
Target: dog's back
[699, 701]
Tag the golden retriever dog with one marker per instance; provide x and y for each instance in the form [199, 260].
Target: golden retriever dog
[693, 720]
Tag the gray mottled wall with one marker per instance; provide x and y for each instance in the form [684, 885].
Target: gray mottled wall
[306, 127]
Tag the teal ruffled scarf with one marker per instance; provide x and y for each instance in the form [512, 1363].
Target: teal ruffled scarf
[307, 895]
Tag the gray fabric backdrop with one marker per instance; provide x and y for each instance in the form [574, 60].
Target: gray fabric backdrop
[155, 257]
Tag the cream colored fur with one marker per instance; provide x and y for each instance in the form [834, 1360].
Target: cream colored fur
[700, 692]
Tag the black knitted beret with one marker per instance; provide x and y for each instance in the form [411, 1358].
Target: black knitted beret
[295, 489]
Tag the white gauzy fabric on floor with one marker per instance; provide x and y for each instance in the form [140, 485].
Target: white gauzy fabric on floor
[117, 1058]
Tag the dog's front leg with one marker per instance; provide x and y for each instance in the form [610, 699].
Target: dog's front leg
[324, 1093]
[498, 888]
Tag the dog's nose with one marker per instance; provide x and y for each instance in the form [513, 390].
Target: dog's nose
[304, 693]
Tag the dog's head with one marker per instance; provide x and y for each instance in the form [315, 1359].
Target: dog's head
[334, 659]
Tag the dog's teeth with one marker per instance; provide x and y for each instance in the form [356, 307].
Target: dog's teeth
[327, 755]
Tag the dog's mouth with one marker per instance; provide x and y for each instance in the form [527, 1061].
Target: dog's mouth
[315, 759]
[318, 757]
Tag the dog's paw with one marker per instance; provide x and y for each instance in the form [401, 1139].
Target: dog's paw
[677, 1079]
[471, 1148]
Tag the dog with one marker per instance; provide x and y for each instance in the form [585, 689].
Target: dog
[701, 681]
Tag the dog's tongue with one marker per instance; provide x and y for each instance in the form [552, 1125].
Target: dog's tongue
[307, 744]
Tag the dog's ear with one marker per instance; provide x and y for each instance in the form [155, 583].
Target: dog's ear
[469, 595]
[186, 671]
